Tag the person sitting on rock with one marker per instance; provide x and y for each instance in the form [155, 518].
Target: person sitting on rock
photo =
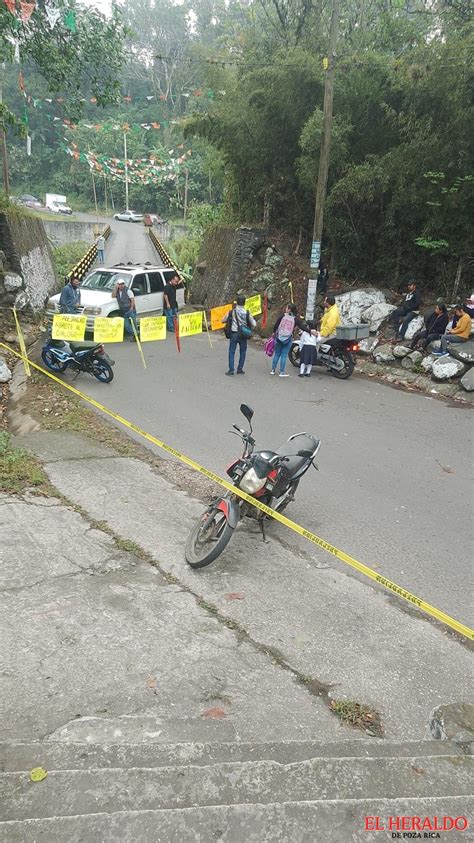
[460, 333]
[401, 317]
[436, 325]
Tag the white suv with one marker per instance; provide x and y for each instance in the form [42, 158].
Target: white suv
[145, 280]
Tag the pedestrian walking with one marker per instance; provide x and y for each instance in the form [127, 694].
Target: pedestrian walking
[126, 303]
[170, 301]
[308, 353]
[70, 298]
[100, 246]
[283, 333]
[239, 323]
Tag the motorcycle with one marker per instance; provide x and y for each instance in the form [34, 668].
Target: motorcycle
[271, 477]
[337, 355]
[89, 357]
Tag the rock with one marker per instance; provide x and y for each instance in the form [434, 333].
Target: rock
[427, 363]
[5, 373]
[12, 281]
[435, 345]
[401, 350]
[463, 351]
[467, 381]
[416, 356]
[416, 324]
[384, 354]
[366, 346]
[352, 305]
[21, 300]
[407, 363]
[453, 722]
[445, 368]
[376, 314]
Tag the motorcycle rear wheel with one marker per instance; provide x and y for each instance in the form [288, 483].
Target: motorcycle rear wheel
[51, 362]
[346, 372]
[294, 355]
[102, 371]
[208, 539]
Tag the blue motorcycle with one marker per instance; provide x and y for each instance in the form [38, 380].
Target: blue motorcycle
[87, 357]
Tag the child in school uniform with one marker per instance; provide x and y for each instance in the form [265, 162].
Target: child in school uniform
[308, 351]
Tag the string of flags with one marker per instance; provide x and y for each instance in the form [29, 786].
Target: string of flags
[22, 10]
[198, 92]
[151, 170]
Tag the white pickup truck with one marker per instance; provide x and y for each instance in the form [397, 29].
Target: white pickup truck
[57, 204]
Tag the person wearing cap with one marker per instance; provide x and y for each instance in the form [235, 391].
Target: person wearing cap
[70, 298]
[126, 303]
[401, 317]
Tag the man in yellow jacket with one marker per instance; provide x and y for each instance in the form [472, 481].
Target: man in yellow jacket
[460, 333]
[331, 319]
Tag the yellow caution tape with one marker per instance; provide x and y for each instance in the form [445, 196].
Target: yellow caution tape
[21, 340]
[272, 513]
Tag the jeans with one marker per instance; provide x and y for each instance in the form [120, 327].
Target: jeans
[450, 338]
[100, 255]
[403, 316]
[426, 337]
[236, 339]
[281, 354]
[170, 313]
[129, 316]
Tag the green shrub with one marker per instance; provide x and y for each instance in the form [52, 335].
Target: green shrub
[66, 256]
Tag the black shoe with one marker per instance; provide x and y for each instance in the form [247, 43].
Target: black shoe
[301, 376]
[307, 375]
[240, 372]
[229, 373]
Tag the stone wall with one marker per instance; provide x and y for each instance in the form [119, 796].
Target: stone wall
[225, 258]
[27, 274]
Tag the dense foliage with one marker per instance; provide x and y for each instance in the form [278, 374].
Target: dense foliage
[242, 83]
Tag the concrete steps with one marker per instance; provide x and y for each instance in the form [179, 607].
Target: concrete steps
[228, 791]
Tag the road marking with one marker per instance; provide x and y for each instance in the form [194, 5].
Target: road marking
[421, 604]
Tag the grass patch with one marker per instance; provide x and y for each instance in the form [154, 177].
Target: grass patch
[357, 715]
[67, 256]
[19, 470]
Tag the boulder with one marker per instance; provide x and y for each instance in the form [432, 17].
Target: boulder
[401, 350]
[445, 368]
[366, 346]
[5, 373]
[21, 300]
[416, 356]
[453, 722]
[384, 354]
[467, 381]
[408, 363]
[12, 281]
[427, 363]
[352, 305]
[376, 314]
[416, 324]
[435, 345]
[463, 351]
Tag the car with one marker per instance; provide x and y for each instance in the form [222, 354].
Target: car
[144, 279]
[129, 216]
[30, 201]
[59, 208]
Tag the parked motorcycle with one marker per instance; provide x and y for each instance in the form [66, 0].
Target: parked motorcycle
[337, 355]
[271, 477]
[89, 357]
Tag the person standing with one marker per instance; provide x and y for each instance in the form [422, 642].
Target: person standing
[70, 298]
[308, 352]
[283, 333]
[170, 301]
[460, 333]
[126, 303]
[100, 246]
[235, 320]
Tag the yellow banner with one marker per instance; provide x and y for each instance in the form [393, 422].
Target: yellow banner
[66, 326]
[152, 328]
[190, 323]
[108, 330]
[217, 315]
[254, 304]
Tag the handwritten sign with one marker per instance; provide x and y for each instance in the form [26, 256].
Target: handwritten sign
[217, 315]
[190, 323]
[254, 305]
[152, 328]
[67, 326]
[108, 330]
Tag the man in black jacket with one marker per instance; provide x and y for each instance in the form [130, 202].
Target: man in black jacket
[406, 311]
[436, 325]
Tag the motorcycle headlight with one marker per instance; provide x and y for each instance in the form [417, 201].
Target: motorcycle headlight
[92, 311]
[251, 482]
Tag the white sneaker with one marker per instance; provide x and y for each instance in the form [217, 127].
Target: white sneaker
[272, 372]
[283, 375]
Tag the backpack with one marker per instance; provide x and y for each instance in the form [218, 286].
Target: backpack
[245, 330]
[228, 325]
[286, 328]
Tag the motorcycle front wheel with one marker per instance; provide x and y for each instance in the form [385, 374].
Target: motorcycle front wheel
[348, 362]
[51, 362]
[294, 354]
[102, 371]
[208, 539]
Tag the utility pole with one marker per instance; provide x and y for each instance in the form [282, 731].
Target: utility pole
[323, 160]
[6, 180]
[186, 175]
[105, 193]
[126, 169]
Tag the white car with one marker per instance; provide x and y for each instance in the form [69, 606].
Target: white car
[129, 216]
[145, 280]
[59, 208]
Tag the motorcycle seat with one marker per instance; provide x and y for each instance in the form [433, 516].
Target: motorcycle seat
[80, 346]
[301, 442]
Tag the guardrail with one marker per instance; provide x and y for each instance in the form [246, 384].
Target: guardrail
[80, 269]
[162, 251]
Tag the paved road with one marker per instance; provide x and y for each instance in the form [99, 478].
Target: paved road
[395, 479]
[127, 242]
